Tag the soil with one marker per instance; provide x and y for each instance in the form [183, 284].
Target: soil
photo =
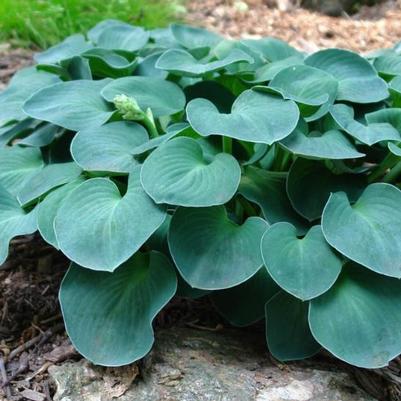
[32, 335]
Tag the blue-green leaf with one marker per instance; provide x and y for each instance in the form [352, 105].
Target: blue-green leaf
[255, 117]
[110, 147]
[73, 105]
[369, 134]
[180, 173]
[13, 221]
[305, 267]
[23, 84]
[162, 97]
[359, 319]
[357, 80]
[99, 228]
[211, 251]
[108, 317]
[367, 232]
[287, 331]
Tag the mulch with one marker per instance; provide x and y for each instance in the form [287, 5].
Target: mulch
[31, 331]
[11, 60]
[372, 28]
[32, 335]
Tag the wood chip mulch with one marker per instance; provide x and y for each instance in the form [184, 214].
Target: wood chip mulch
[372, 28]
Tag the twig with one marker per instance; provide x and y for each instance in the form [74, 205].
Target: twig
[193, 325]
[40, 339]
[4, 379]
[47, 390]
[21, 369]
[51, 319]
[41, 370]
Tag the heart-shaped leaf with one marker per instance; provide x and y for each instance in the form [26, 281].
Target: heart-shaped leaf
[107, 63]
[23, 84]
[255, 117]
[244, 304]
[310, 183]
[13, 221]
[181, 62]
[373, 223]
[180, 173]
[368, 134]
[268, 190]
[287, 331]
[74, 105]
[49, 177]
[109, 147]
[328, 145]
[70, 47]
[94, 33]
[162, 97]
[193, 37]
[211, 251]
[305, 267]
[357, 80]
[99, 228]
[122, 37]
[306, 85]
[388, 65]
[17, 166]
[108, 317]
[359, 319]
[48, 207]
[390, 116]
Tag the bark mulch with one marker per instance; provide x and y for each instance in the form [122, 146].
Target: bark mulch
[372, 28]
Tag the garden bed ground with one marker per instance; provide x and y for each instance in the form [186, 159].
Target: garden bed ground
[30, 320]
[372, 28]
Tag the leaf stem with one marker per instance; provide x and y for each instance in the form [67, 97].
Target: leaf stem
[150, 126]
[388, 162]
[393, 174]
[239, 211]
[227, 144]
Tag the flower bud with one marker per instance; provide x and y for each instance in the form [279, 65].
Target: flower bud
[128, 107]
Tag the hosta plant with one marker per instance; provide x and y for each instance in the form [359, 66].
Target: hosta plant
[173, 161]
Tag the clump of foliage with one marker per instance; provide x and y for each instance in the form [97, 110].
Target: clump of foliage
[46, 22]
[174, 161]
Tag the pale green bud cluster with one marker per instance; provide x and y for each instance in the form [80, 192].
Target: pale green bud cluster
[128, 107]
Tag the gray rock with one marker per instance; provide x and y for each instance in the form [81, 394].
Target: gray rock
[189, 365]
